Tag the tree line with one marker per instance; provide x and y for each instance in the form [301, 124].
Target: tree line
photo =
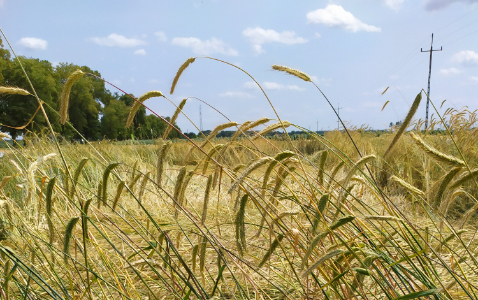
[94, 112]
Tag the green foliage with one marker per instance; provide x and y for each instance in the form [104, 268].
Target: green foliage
[89, 99]
[17, 110]
[85, 97]
[144, 126]
[114, 120]
[4, 58]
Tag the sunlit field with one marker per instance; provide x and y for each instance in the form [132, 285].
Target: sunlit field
[352, 214]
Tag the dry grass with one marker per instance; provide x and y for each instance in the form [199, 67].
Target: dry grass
[243, 218]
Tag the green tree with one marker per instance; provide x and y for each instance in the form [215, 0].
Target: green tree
[114, 120]
[139, 121]
[158, 127]
[17, 110]
[4, 59]
[85, 97]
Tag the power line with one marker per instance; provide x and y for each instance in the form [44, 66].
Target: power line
[429, 76]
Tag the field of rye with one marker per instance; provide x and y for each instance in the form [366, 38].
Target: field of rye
[350, 215]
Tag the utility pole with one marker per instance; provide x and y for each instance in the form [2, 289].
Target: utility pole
[338, 114]
[429, 75]
[200, 118]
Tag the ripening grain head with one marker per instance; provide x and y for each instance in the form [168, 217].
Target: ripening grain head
[3, 135]
[294, 72]
[447, 159]
[405, 123]
[13, 91]
[272, 127]
[137, 104]
[180, 71]
[34, 166]
[408, 186]
[174, 117]
[65, 94]
[217, 130]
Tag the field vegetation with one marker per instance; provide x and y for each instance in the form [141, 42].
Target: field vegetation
[349, 215]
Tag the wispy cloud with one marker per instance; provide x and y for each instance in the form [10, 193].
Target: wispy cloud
[206, 47]
[161, 36]
[466, 58]
[117, 40]
[33, 43]
[336, 16]
[251, 85]
[450, 71]
[236, 95]
[270, 85]
[259, 36]
[321, 81]
[474, 79]
[277, 86]
[140, 52]
[393, 4]
[432, 5]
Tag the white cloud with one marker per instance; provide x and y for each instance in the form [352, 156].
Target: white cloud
[140, 52]
[278, 86]
[236, 95]
[335, 16]
[251, 85]
[321, 81]
[432, 5]
[117, 40]
[450, 71]
[258, 48]
[467, 57]
[259, 36]
[161, 36]
[269, 85]
[474, 79]
[206, 47]
[318, 35]
[393, 4]
[33, 43]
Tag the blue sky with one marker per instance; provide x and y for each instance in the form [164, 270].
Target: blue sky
[352, 49]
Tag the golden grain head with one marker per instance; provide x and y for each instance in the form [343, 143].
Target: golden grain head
[3, 135]
[258, 122]
[408, 186]
[294, 72]
[448, 159]
[65, 94]
[13, 91]
[137, 105]
[272, 127]
[150, 94]
[180, 71]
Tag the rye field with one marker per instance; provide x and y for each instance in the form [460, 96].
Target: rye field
[352, 214]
